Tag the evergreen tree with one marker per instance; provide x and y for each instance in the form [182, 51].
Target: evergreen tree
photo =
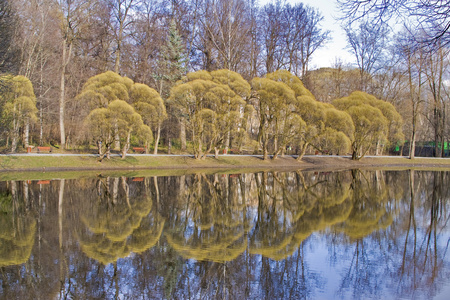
[172, 67]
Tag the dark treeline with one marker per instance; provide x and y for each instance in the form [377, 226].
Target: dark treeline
[59, 44]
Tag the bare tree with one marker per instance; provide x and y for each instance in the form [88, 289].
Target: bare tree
[432, 17]
[272, 32]
[148, 32]
[225, 30]
[367, 43]
[291, 34]
[437, 66]
[414, 61]
[121, 19]
[74, 15]
[8, 22]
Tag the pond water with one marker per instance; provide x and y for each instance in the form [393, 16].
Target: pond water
[269, 235]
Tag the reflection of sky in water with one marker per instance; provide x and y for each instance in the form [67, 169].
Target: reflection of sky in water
[327, 264]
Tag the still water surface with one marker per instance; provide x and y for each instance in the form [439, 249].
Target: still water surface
[274, 235]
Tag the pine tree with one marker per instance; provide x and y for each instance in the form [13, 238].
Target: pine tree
[172, 67]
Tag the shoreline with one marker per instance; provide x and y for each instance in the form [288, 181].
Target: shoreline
[64, 163]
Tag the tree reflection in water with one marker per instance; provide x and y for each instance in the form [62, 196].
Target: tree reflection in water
[256, 235]
[17, 228]
[117, 224]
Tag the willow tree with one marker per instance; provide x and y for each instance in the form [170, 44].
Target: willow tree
[18, 108]
[231, 103]
[103, 89]
[371, 210]
[17, 231]
[211, 105]
[116, 227]
[276, 118]
[301, 120]
[211, 225]
[377, 122]
[291, 208]
[149, 104]
[118, 120]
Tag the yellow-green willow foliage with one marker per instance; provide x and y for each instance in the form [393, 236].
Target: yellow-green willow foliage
[214, 223]
[104, 88]
[287, 215]
[17, 233]
[18, 108]
[211, 104]
[149, 104]
[290, 115]
[125, 101]
[118, 121]
[278, 122]
[370, 211]
[377, 122]
[117, 227]
[209, 225]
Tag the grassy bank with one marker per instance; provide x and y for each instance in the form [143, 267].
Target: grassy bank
[76, 166]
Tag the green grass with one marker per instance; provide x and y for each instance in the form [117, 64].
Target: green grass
[37, 163]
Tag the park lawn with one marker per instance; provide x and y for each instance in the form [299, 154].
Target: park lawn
[48, 163]
[48, 167]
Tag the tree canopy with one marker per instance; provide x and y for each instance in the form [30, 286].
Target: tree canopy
[121, 108]
[18, 108]
[376, 122]
[290, 115]
[211, 104]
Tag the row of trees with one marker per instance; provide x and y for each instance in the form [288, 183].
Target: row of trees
[220, 109]
[60, 44]
[217, 110]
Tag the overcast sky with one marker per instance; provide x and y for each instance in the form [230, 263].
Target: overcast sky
[326, 56]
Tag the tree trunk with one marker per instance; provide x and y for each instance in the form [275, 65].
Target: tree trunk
[60, 212]
[158, 136]
[354, 152]
[116, 138]
[183, 133]
[216, 152]
[65, 61]
[265, 150]
[41, 124]
[99, 147]
[275, 156]
[108, 151]
[377, 150]
[412, 146]
[26, 133]
[169, 146]
[227, 142]
[275, 140]
[117, 62]
[61, 98]
[302, 151]
[126, 146]
[15, 133]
